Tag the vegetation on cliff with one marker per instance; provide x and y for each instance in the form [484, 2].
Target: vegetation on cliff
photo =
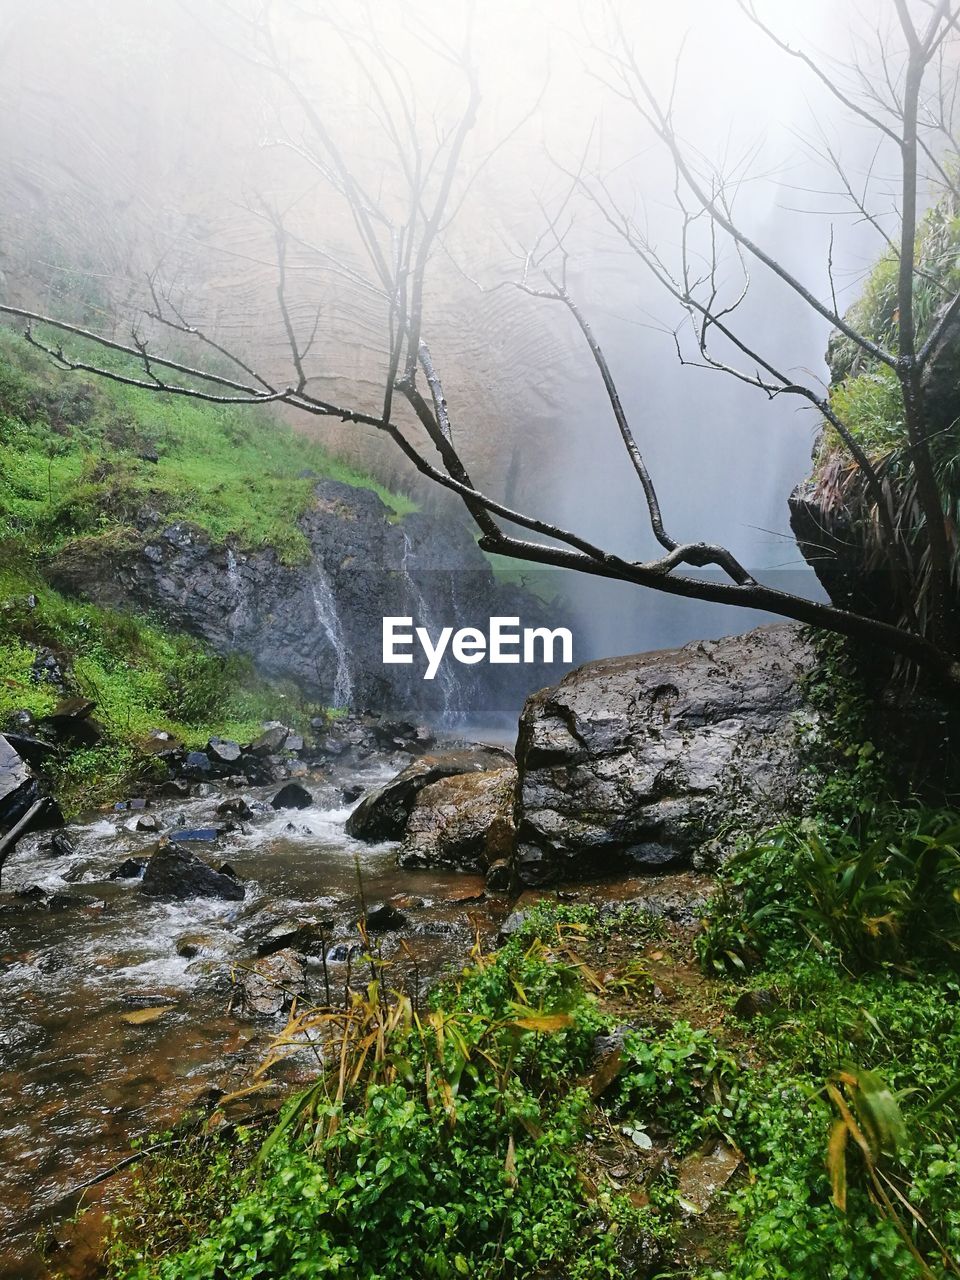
[81, 459]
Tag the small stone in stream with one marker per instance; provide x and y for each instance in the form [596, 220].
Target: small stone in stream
[270, 988]
[342, 952]
[235, 807]
[198, 835]
[190, 946]
[147, 822]
[225, 869]
[407, 902]
[305, 937]
[129, 869]
[73, 874]
[60, 846]
[30, 893]
[271, 740]
[177, 788]
[223, 751]
[292, 796]
[500, 876]
[294, 742]
[67, 901]
[385, 918]
[297, 769]
[349, 794]
[196, 765]
[175, 873]
[205, 790]
[753, 1004]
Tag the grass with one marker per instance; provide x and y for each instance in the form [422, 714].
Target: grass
[72, 464]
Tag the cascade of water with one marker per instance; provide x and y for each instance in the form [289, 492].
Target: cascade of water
[446, 676]
[238, 594]
[325, 610]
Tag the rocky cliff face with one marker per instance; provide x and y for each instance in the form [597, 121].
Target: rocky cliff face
[319, 624]
[652, 761]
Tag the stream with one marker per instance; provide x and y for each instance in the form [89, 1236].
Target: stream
[78, 1079]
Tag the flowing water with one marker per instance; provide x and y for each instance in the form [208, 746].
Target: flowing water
[78, 1081]
[325, 607]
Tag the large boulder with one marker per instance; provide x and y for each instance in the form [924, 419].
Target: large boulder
[657, 760]
[18, 786]
[174, 874]
[383, 813]
[464, 822]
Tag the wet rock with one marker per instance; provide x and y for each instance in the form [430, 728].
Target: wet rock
[199, 835]
[754, 1004]
[129, 869]
[500, 876]
[72, 721]
[18, 787]
[294, 742]
[196, 765]
[235, 807]
[305, 937]
[34, 750]
[657, 760]
[383, 813]
[223, 752]
[292, 796]
[385, 918]
[271, 740]
[147, 822]
[174, 873]
[175, 788]
[197, 946]
[349, 794]
[341, 952]
[59, 846]
[270, 986]
[705, 1173]
[138, 804]
[464, 822]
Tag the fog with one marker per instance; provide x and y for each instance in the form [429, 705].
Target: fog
[150, 138]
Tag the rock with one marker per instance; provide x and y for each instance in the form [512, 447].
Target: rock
[383, 813]
[196, 946]
[235, 807]
[706, 1172]
[196, 765]
[72, 721]
[129, 869]
[292, 796]
[500, 876]
[513, 923]
[22, 721]
[657, 760]
[293, 742]
[147, 822]
[305, 937]
[35, 751]
[349, 794]
[464, 822]
[174, 874]
[271, 740]
[199, 835]
[18, 787]
[60, 846]
[175, 788]
[385, 918]
[268, 989]
[223, 752]
[46, 669]
[754, 1004]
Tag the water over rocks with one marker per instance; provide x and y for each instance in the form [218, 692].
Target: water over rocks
[319, 623]
[383, 814]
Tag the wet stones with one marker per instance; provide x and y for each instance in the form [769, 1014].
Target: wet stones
[464, 822]
[383, 813]
[174, 874]
[223, 752]
[655, 761]
[129, 869]
[268, 988]
[292, 796]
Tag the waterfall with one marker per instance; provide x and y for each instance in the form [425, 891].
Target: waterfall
[238, 594]
[446, 677]
[325, 610]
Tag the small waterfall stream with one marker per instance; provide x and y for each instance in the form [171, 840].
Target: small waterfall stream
[446, 676]
[239, 612]
[325, 610]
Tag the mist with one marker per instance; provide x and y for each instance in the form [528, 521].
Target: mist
[152, 140]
